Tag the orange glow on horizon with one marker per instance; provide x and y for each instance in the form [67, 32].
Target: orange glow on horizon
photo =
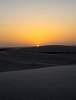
[37, 33]
[37, 22]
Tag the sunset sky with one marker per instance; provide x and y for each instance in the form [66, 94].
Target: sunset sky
[37, 22]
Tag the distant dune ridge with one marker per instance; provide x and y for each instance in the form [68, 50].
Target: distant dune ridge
[18, 58]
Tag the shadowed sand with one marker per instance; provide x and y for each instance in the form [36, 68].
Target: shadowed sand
[50, 83]
[53, 83]
[36, 57]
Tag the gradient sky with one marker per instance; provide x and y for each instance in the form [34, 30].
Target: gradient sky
[37, 22]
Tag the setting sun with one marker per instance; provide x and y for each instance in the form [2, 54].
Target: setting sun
[36, 22]
[38, 45]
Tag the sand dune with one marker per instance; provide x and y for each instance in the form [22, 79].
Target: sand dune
[33, 57]
[53, 83]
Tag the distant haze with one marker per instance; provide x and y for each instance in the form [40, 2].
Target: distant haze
[37, 22]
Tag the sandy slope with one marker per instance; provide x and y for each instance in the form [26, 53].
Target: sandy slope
[53, 83]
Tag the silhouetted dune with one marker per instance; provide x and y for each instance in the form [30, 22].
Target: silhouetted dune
[36, 57]
[48, 48]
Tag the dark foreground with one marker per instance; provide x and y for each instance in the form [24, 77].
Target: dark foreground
[53, 83]
[31, 58]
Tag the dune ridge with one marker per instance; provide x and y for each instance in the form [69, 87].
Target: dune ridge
[36, 57]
